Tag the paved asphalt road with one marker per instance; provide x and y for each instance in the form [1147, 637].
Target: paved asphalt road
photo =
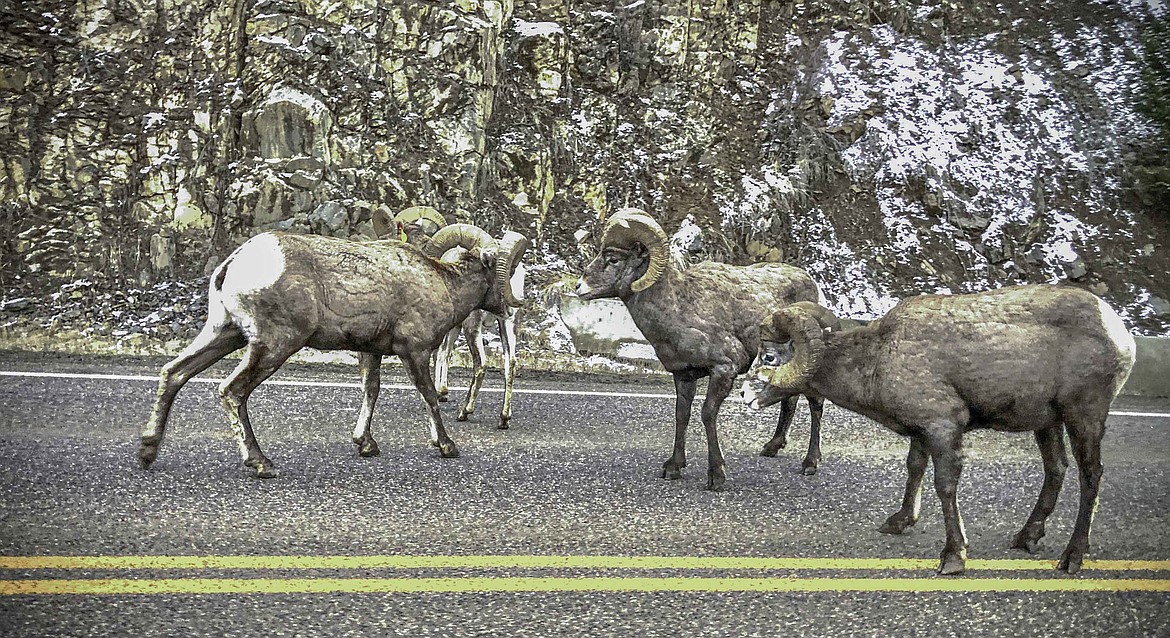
[575, 477]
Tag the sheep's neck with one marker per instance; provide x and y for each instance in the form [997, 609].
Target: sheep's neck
[655, 306]
[465, 289]
[844, 374]
[662, 313]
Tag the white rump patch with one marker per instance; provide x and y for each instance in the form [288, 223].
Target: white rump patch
[256, 265]
[1118, 334]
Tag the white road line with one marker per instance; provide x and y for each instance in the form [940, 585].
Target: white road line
[402, 386]
[334, 384]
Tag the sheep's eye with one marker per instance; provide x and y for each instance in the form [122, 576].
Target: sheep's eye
[613, 260]
[770, 359]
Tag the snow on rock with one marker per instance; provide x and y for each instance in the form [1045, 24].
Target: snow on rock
[985, 154]
[849, 286]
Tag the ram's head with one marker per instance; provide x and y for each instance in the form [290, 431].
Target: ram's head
[633, 256]
[464, 241]
[791, 344]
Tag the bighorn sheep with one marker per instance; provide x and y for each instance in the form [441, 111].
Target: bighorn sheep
[472, 329]
[1024, 358]
[702, 321]
[278, 293]
[416, 225]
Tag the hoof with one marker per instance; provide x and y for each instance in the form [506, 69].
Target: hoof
[897, 524]
[671, 472]
[263, 468]
[448, 450]
[503, 424]
[147, 453]
[808, 469]
[463, 414]
[1071, 561]
[773, 447]
[368, 448]
[952, 565]
[715, 481]
[1028, 540]
[443, 398]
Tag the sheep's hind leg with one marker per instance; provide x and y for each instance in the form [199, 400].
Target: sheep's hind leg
[684, 396]
[210, 346]
[1084, 433]
[780, 437]
[418, 369]
[363, 435]
[258, 364]
[1052, 452]
[916, 460]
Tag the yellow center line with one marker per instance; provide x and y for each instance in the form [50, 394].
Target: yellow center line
[507, 584]
[545, 562]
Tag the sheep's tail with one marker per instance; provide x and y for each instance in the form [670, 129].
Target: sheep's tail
[217, 314]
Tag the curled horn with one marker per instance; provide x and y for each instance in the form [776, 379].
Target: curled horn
[512, 248]
[805, 330]
[823, 316]
[462, 235]
[630, 225]
[417, 214]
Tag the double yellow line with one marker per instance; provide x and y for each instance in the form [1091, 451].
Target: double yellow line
[788, 583]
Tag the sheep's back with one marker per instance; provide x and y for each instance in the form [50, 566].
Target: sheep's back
[1011, 354]
[771, 285]
[346, 294]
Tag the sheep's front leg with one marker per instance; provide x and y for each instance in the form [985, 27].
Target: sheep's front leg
[717, 390]
[779, 439]
[812, 460]
[684, 396]
[916, 461]
[363, 437]
[418, 367]
[1055, 458]
[945, 441]
[443, 362]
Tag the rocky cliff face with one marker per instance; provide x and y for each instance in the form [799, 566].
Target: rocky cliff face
[890, 147]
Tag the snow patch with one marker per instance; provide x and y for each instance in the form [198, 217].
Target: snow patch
[685, 238]
[528, 29]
